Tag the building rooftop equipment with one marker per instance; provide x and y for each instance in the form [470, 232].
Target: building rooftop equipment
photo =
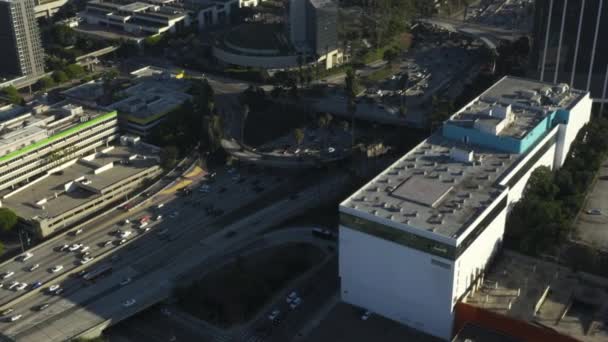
[445, 182]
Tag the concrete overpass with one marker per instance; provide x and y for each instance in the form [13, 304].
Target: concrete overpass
[489, 35]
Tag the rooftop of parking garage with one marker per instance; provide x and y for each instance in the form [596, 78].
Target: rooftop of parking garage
[79, 183]
[446, 182]
[545, 294]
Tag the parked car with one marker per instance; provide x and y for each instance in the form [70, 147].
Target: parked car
[7, 274]
[365, 315]
[33, 267]
[56, 268]
[274, 314]
[594, 212]
[129, 302]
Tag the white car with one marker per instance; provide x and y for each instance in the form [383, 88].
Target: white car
[7, 274]
[85, 260]
[143, 225]
[21, 286]
[13, 285]
[366, 315]
[158, 217]
[77, 231]
[125, 281]
[125, 234]
[129, 302]
[53, 288]
[274, 314]
[56, 268]
[75, 247]
[33, 267]
[64, 248]
[160, 206]
[85, 248]
[25, 256]
[14, 318]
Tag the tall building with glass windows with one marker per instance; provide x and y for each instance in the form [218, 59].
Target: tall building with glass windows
[570, 44]
[22, 53]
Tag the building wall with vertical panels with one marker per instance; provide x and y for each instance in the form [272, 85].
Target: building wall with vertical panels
[570, 44]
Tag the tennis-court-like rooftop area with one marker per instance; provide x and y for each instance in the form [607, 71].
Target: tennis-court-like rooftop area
[79, 183]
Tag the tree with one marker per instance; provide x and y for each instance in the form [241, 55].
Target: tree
[390, 55]
[74, 71]
[298, 134]
[168, 157]
[8, 219]
[351, 84]
[60, 77]
[12, 95]
[46, 82]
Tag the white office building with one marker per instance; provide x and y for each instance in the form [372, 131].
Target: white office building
[418, 237]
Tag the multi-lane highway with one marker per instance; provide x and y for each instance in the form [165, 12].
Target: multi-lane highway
[153, 261]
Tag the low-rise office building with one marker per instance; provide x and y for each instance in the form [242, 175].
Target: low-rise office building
[74, 191]
[419, 236]
[139, 19]
[35, 140]
[147, 103]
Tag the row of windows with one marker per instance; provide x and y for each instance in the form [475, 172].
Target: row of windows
[36, 151]
[38, 168]
[7, 171]
[398, 236]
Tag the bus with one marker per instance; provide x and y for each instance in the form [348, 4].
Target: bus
[98, 272]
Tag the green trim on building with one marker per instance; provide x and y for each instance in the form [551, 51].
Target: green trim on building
[398, 236]
[58, 136]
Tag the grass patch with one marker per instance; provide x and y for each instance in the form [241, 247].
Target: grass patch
[234, 293]
[379, 74]
[402, 42]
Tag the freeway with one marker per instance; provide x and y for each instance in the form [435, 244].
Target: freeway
[227, 194]
[153, 265]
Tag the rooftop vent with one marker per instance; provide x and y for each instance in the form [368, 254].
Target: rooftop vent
[528, 93]
[464, 156]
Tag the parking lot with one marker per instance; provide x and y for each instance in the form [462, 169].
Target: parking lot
[591, 226]
[344, 323]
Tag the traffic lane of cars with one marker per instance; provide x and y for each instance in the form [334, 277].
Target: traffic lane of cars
[194, 222]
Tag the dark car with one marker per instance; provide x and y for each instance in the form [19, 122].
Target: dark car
[36, 285]
[42, 306]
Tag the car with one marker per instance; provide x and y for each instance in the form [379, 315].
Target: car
[160, 206]
[58, 292]
[76, 232]
[295, 303]
[84, 255]
[107, 243]
[162, 231]
[81, 273]
[62, 248]
[126, 222]
[13, 285]
[158, 217]
[129, 302]
[143, 225]
[594, 212]
[53, 288]
[36, 285]
[331, 150]
[365, 315]
[85, 248]
[42, 306]
[7, 311]
[56, 268]
[274, 314]
[290, 297]
[21, 286]
[85, 260]
[75, 247]
[33, 267]
[125, 281]
[15, 318]
[125, 234]
[7, 274]
[24, 257]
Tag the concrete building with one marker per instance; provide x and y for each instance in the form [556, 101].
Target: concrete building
[297, 22]
[211, 13]
[33, 141]
[76, 190]
[419, 236]
[569, 44]
[20, 40]
[136, 18]
[47, 8]
[147, 103]
[322, 26]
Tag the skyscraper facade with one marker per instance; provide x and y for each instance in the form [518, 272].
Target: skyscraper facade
[322, 27]
[569, 44]
[22, 53]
